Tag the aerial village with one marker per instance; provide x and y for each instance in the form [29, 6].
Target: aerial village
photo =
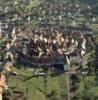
[48, 50]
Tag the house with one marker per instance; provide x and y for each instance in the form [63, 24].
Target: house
[5, 28]
[78, 31]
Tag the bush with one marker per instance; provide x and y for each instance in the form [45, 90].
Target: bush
[54, 95]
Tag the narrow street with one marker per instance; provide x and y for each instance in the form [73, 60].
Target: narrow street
[69, 81]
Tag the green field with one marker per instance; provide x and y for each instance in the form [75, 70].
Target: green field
[39, 88]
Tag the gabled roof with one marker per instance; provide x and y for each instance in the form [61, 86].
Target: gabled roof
[76, 34]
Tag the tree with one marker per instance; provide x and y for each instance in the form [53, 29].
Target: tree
[55, 95]
[33, 4]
